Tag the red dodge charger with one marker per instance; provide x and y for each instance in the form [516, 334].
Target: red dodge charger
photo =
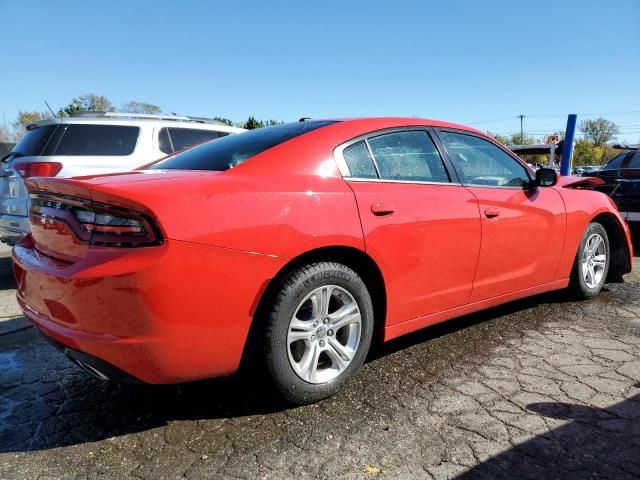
[299, 244]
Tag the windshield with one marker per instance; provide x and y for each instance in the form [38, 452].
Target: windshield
[230, 151]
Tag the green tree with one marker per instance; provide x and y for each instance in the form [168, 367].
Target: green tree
[586, 153]
[599, 131]
[253, 123]
[88, 102]
[141, 107]
[226, 121]
[517, 139]
[500, 138]
[24, 119]
[513, 139]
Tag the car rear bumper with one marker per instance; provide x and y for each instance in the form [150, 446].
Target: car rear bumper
[13, 228]
[167, 314]
[93, 365]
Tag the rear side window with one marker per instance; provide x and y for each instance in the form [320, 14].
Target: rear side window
[164, 141]
[408, 156]
[359, 160]
[78, 139]
[35, 141]
[173, 139]
[232, 150]
[624, 160]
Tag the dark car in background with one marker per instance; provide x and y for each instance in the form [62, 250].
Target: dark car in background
[622, 183]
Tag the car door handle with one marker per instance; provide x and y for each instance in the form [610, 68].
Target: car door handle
[492, 212]
[380, 209]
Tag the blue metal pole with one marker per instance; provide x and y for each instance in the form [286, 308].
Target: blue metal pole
[567, 147]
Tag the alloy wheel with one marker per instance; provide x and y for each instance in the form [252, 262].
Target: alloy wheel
[594, 260]
[324, 334]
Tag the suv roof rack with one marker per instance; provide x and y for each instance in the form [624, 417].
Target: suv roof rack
[178, 118]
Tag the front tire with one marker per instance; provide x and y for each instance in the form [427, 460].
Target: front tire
[592, 262]
[318, 332]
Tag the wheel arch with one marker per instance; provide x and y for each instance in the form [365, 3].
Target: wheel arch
[620, 259]
[356, 259]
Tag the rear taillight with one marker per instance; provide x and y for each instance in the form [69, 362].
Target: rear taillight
[38, 169]
[96, 223]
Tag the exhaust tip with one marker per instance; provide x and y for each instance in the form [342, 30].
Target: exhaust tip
[90, 369]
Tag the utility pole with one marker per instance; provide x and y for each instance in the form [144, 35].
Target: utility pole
[521, 117]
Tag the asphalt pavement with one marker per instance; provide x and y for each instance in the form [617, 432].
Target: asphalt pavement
[543, 388]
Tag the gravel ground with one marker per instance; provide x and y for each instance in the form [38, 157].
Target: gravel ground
[542, 388]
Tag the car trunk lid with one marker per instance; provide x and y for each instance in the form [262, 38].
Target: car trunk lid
[71, 215]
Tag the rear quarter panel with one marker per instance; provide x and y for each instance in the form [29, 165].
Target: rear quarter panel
[279, 215]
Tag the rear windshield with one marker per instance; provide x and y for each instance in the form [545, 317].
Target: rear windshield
[95, 140]
[79, 139]
[34, 141]
[624, 160]
[232, 150]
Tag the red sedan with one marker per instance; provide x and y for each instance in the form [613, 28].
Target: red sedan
[298, 244]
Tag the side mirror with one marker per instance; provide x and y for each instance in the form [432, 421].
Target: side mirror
[546, 177]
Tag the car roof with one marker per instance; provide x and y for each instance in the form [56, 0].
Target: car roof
[378, 123]
[135, 120]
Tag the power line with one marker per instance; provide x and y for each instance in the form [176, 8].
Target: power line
[602, 114]
[492, 121]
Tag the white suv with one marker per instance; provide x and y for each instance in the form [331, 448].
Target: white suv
[89, 144]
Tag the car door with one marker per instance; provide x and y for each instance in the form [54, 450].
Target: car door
[523, 228]
[420, 225]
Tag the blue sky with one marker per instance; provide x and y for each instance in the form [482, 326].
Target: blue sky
[480, 63]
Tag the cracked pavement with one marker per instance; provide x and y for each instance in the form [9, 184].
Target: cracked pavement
[541, 388]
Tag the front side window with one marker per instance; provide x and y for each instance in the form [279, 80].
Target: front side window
[483, 163]
[410, 156]
[96, 140]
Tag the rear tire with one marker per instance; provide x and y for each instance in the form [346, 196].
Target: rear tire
[591, 265]
[318, 332]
